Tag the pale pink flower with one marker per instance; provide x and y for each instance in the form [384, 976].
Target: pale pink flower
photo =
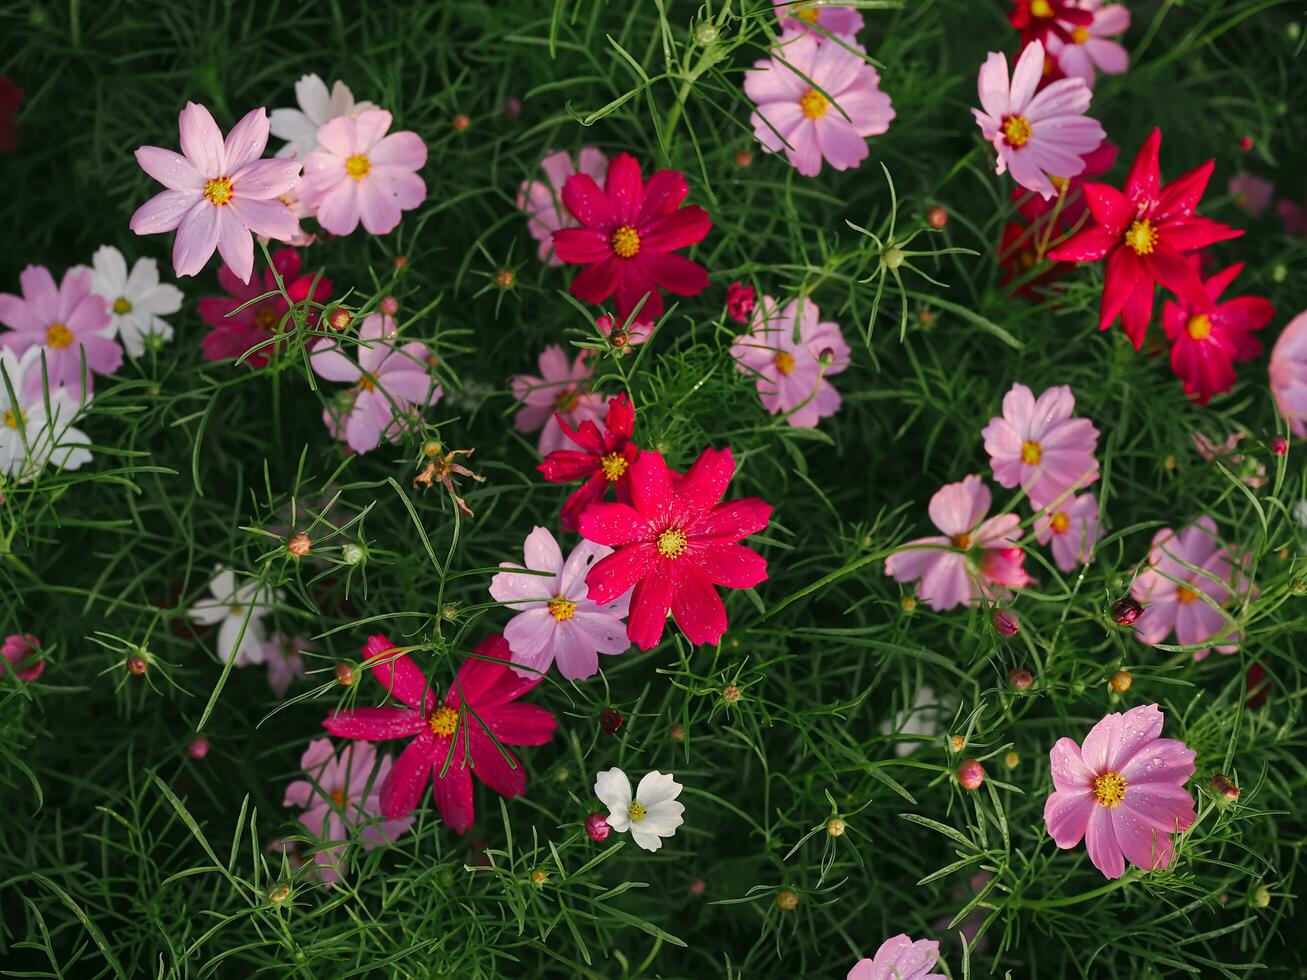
[811, 127]
[317, 107]
[1251, 472]
[391, 380]
[1122, 792]
[900, 958]
[18, 649]
[62, 321]
[1091, 47]
[542, 200]
[1036, 444]
[1289, 373]
[558, 622]
[282, 654]
[1251, 193]
[973, 557]
[558, 390]
[1036, 136]
[346, 801]
[1072, 526]
[803, 15]
[361, 174]
[219, 192]
[791, 373]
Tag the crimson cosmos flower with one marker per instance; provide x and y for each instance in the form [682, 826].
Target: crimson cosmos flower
[442, 732]
[1145, 234]
[675, 541]
[1036, 19]
[630, 231]
[603, 461]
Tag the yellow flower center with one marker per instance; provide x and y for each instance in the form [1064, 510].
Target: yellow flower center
[1059, 183]
[58, 336]
[814, 104]
[338, 798]
[122, 305]
[1185, 594]
[784, 362]
[1109, 788]
[636, 812]
[1060, 523]
[1142, 237]
[443, 721]
[1041, 8]
[1199, 327]
[566, 401]
[1016, 131]
[614, 465]
[626, 241]
[562, 609]
[672, 543]
[810, 14]
[357, 166]
[367, 382]
[11, 419]
[962, 541]
[218, 190]
[1080, 35]
[1031, 453]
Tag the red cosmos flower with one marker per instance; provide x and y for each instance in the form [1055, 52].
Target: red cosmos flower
[631, 229]
[442, 732]
[603, 462]
[11, 97]
[740, 301]
[1036, 19]
[1017, 256]
[235, 333]
[1144, 234]
[1208, 338]
[675, 541]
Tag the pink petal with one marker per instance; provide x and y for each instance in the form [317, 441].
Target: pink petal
[703, 485]
[197, 237]
[246, 141]
[1067, 815]
[731, 565]
[1070, 774]
[650, 602]
[505, 776]
[201, 141]
[521, 724]
[1142, 844]
[171, 169]
[163, 212]
[453, 793]
[398, 674]
[235, 244]
[616, 574]
[374, 724]
[1101, 843]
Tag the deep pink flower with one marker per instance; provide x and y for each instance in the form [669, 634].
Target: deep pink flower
[900, 958]
[809, 126]
[603, 460]
[235, 331]
[631, 231]
[1072, 527]
[443, 734]
[1090, 46]
[11, 97]
[346, 797]
[1037, 20]
[218, 192]
[1037, 445]
[1122, 792]
[1289, 373]
[542, 200]
[557, 396]
[1209, 337]
[361, 174]
[803, 15]
[1037, 136]
[1294, 217]
[63, 321]
[973, 556]
[1251, 193]
[740, 300]
[1070, 192]
[18, 649]
[675, 541]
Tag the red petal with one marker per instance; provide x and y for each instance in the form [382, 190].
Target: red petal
[505, 776]
[586, 435]
[634, 284]
[731, 565]
[663, 194]
[1176, 273]
[1090, 245]
[650, 484]
[1221, 281]
[1181, 196]
[374, 724]
[650, 603]
[588, 204]
[582, 245]
[566, 465]
[582, 499]
[521, 724]
[398, 674]
[287, 262]
[615, 525]
[1110, 208]
[1143, 184]
[596, 282]
[407, 778]
[1123, 271]
[1194, 233]
[696, 606]
[624, 187]
[680, 229]
[614, 575]
[620, 420]
[677, 274]
[1138, 311]
[706, 481]
[1245, 313]
[734, 519]
[454, 792]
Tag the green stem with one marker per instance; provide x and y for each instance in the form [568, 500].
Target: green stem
[1057, 903]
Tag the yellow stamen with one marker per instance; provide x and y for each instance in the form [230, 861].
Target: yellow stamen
[357, 166]
[443, 721]
[636, 812]
[218, 190]
[1080, 35]
[1199, 327]
[367, 382]
[562, 609]
[1031, 453]
[614, 465]
[266, 317]
[784, 362]
[962, 541]
[814, 104]
[1060, 183]
[810, 14]
[11, 419]
[672, 543]
[1185, 595]
[1109, 788]
[626, 241]
[338, 798]
[1041, 8]
[1142, 237]
[58, 336]
[1016, 131]
[1060, 523]
[122, 305]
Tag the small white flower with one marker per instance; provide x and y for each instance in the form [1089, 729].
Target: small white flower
[652, 815]
[920, 719]
[34, 434]
[231, 605]
[137, 301]
[299, 127]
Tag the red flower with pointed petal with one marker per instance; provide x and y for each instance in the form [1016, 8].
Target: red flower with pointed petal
[603, 461]
[630, 232]
[1145, 234]
[443, 732]
[1210, 337]
[233, 333]
[1037, 19]
[675, 540]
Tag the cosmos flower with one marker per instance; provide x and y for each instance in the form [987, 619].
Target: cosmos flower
[1091, 46]
[1289, 373]
[21, 653]
[238, 610]
[137, 300]
[1072, 527]
[740, 302]
[65, 323]
[36, 424]
[900, 958]
[1037, 445]
[317, 107]
[651, 814]
[282, 654]
[557, 396]
[1251, 193]
[1037, 20]
[803, 15]
[542, 201]
[602, 461]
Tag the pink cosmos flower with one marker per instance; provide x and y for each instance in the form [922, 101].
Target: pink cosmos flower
[390, 381]
[1032, 207]
[542, 200]
[791, 373]
[18, 649]
[603, 461]
[63, 321]
[558, 621]
[1037, 136]
[218, 192]
[1122, 792]
[971, 558]
[793, 116]
[803, 15]
[900, 958]
[1251, 193]
[675, 541]
[342, 795]
[1175, 597]
[1294, 217]
[1036, 444]
[1091, 46]
[1289, 373]
[360, 173]
[1250, 471]
[555, 396]
[445, 739]
[282, 654]
[1072, 526]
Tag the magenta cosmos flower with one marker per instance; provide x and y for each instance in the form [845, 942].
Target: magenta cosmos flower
[675, 541]
[361, 174]
[554, 397]
[21, 654]
[542, 200]
[445, 738]
[1036, 444]
[972, 557]
[218, 192]
[900, 958]
[1289, 373]
[631, 231]
[63, 321]
[804, 15]
[390, 381]
[791, 352]
[1036, 136]
[1091, 47]
[1072, 527]
[1122, 792]
[810, 126]
[602, 460]
[341, 796]
[1251, 193]
[557, 621]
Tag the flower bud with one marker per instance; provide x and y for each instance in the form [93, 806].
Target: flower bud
[299, 544]
[956, 743]
[346, 674]
[705, 33]
[1261, 897]
[786, 900]
[1126, 611]
[449, 612]
[730, 694]
[1020, 679]
[512, 107]
[937, 217]
[619, 338]
[610, 720]
[352, 554]
[462, 121]
[1245, 143]
[504, 278]
[893, 257]
[971, 774]
[401, 263]
[826, 358]
[677, 732]
[698, 886]
[339, 319]
[389, 305]
[835, 827]
[198, 747]
[1006, 623]
[597, 827]
[743, 159]
[539, 876]
[1011, 760]
[1280, 446]
[1224, 786]
[908, 604]
[137, 665]
[279, 893]
[1121, 681]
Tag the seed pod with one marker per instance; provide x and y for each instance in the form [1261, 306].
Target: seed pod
[730, 694]
[137, 666]
[1224, 786]
[346, 674]
[835, 827]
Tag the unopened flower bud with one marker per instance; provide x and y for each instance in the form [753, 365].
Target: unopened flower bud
[346, 674]
[698, 886]
[1011, 760]
[826, 358]
[352, 554]
[1020, 679]
[449, 612]
[504, 278]
[835, 827]
[279, 893]
[610, 720]
[971, 774]
[1168, 463]
[512, 107]
[1006, 623]
[677, 732]
[339, 319]
[462, 121]
[927, 318]
[1224, 786]
[597, 827]
[1126, 611]
[956, 743]
[908, 604]
[743, 159]
[539, 876]
[1245, 143]
[1280, 446]
[137, 665]
[198, 747]
[299, 544]
[730, 694]
[1262, 897]
[619, 338]
[893, 257]
[1121, 681]
[1279, 272]
[705, 33]
[401, 262]
[937, 217]
[389, 305]
[786, 900]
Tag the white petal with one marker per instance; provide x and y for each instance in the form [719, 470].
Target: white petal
[614, 791]
[656, 787]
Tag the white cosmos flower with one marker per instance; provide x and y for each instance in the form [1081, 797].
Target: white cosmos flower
[36, 431]
[299, 127]
[652, 815]
[920, 719]
[137, 300]
[231, 604]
